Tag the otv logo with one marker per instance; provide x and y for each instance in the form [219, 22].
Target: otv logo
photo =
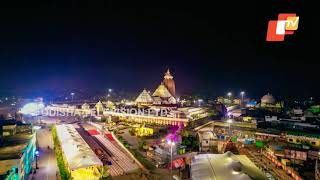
[286, 24]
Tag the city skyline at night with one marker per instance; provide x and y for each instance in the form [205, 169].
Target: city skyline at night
[59, 48]
[219, 90]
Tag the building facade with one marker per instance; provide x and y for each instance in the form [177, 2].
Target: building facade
[17, 155]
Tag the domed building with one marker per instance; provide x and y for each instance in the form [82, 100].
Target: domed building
[144, 98]
[110, 105]
[267, 99]
[162, 91]
[99, 107]
[85, 106]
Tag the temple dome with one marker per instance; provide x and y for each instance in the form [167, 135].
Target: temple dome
[99, 107]
[268, 99]
[144, 98]
[85, 106]
[162, 92]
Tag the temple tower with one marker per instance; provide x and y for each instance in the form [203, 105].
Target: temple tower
[169, 83]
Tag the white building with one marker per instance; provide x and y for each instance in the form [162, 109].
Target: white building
[82, 161]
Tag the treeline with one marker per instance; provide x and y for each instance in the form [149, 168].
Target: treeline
[64, 173]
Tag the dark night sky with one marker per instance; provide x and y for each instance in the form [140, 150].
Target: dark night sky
[211, 48]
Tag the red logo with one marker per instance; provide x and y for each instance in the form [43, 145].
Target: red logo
[286, 24]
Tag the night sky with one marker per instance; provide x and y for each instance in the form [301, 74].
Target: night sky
[209, 47]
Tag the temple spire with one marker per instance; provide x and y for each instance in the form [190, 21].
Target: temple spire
[168, 72]
[168, 75]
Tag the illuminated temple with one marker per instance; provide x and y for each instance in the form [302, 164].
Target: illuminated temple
[164, 94]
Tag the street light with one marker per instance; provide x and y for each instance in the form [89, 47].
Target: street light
[37, 155]
[109, 90]
[171, 145]
[242, 94]
[72, 94]
[229, 95]
[229, 121]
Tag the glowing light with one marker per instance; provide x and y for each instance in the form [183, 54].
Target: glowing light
[242, 93]
[235, 172]
[229, 94]
[37, 153]
[32, 109]
[229, 121]
[171, 143]
[36, 127]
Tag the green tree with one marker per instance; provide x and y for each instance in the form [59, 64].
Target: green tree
[104, 171]
[64, 173]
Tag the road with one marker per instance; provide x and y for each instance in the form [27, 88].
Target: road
[47, 163]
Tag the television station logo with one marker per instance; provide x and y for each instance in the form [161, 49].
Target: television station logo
[286, 24]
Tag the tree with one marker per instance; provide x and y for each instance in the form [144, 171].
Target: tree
[142, 143]
[104, 171]
[190, 142]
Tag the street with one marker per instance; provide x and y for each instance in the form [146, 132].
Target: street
[47, 163]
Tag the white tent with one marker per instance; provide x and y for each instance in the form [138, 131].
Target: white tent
[224, 167]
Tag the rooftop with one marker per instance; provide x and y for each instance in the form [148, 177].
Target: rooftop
[224, 166]
[12, 146]
[7, 122]
[76, 150]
